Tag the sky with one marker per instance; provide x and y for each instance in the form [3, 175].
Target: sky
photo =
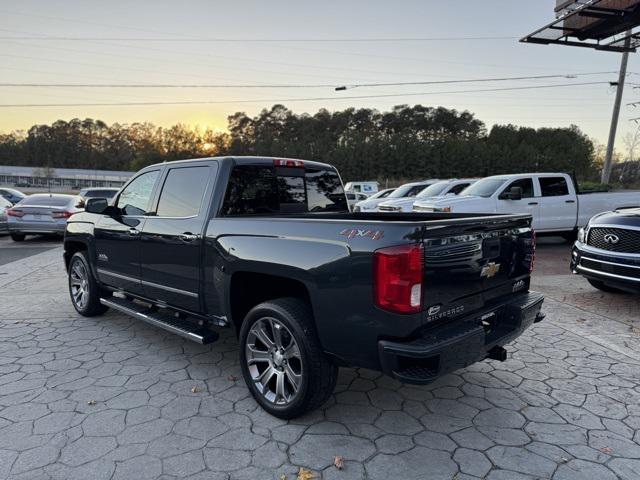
[155, 45]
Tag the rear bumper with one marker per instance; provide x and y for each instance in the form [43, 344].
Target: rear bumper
[622, 271]
[37, 228]
[450, 347]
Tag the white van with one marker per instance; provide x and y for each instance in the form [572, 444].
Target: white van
[368, 188]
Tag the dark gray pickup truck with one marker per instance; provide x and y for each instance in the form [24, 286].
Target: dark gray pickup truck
[268, 247]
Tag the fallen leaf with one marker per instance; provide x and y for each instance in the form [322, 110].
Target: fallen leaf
[606, 450]
[195, 390]
[283, 477]
[304, 474]
[91, 402]
[232, 378]
[580, 320]
[338, 461]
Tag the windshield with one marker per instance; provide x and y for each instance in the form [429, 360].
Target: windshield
[484, 188]
[434, 190]
[409, 190]
[381, 194]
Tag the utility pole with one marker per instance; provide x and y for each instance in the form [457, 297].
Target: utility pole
[608, 159]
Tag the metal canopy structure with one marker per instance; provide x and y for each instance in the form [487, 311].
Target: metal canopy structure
[599, 24]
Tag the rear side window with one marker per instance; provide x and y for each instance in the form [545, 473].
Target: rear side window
[254, 190]
[183, 192]
[324, 191]
[554, 186]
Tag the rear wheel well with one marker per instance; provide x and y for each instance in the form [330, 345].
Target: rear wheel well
[250, 289]
[70, 249]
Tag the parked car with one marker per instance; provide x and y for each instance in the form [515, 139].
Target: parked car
[42, 213]
[268, 247]
[353, 198]
[370, 204]
[408, 190]
[607, 252]
[368, 188]
[11, 194]
[433, 191]
[550, 198]
[4, 206]
[104, 192]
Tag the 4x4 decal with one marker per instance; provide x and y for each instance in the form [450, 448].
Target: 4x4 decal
[359, 232]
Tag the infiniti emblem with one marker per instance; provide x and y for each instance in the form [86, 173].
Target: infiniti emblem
[611, 238]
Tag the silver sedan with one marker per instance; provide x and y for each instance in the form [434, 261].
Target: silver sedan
[4, 206]
[42, 213]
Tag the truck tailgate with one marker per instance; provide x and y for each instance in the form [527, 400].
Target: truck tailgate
[466, 270]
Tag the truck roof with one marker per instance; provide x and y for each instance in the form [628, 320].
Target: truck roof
[247, 160]
[506, 176]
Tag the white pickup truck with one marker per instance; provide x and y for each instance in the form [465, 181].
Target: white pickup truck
[551, 198]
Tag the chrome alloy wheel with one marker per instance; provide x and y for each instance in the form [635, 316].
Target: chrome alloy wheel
[79, 283]
[274, 361]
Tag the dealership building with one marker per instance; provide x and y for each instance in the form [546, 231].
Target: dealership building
[63, 179]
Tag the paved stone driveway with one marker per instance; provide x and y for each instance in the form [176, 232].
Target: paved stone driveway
[110, 397]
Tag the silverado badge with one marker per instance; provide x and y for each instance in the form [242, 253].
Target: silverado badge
[490, 270]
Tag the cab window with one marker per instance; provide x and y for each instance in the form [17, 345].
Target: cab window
[183, 192]
[526, 184]
[135, 198]
[554, 186]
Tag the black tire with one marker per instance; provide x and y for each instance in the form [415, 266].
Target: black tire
[318, 376]
[88, 303]
[18, 237]
[604, 287]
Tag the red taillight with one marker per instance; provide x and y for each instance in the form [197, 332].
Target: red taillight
[397, 278]
[64, 214]
[284, 162]
[15, 213]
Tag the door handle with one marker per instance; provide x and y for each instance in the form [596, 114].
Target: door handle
[532, 203]
[569, 201]
[189, 237]
[133, 232]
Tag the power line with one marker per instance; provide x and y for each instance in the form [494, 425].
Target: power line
[284, 86]
[251, 40]
[290, 100]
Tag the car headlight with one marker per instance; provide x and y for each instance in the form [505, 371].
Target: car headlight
[582, 236]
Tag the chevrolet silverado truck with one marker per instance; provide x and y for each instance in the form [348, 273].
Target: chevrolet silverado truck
[552, 199]
[268, 247]
[607, 251]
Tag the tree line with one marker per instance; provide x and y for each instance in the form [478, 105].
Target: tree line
[408, 142]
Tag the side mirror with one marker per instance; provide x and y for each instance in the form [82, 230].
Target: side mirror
[515, 193]
[96, 205]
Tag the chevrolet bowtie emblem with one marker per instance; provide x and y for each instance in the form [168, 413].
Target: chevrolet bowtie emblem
[490, 270]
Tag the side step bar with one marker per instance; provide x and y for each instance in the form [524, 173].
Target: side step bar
[183, 328]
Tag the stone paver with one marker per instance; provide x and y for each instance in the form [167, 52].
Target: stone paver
[112, 398]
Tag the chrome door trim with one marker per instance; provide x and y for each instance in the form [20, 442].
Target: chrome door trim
[138, 281]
